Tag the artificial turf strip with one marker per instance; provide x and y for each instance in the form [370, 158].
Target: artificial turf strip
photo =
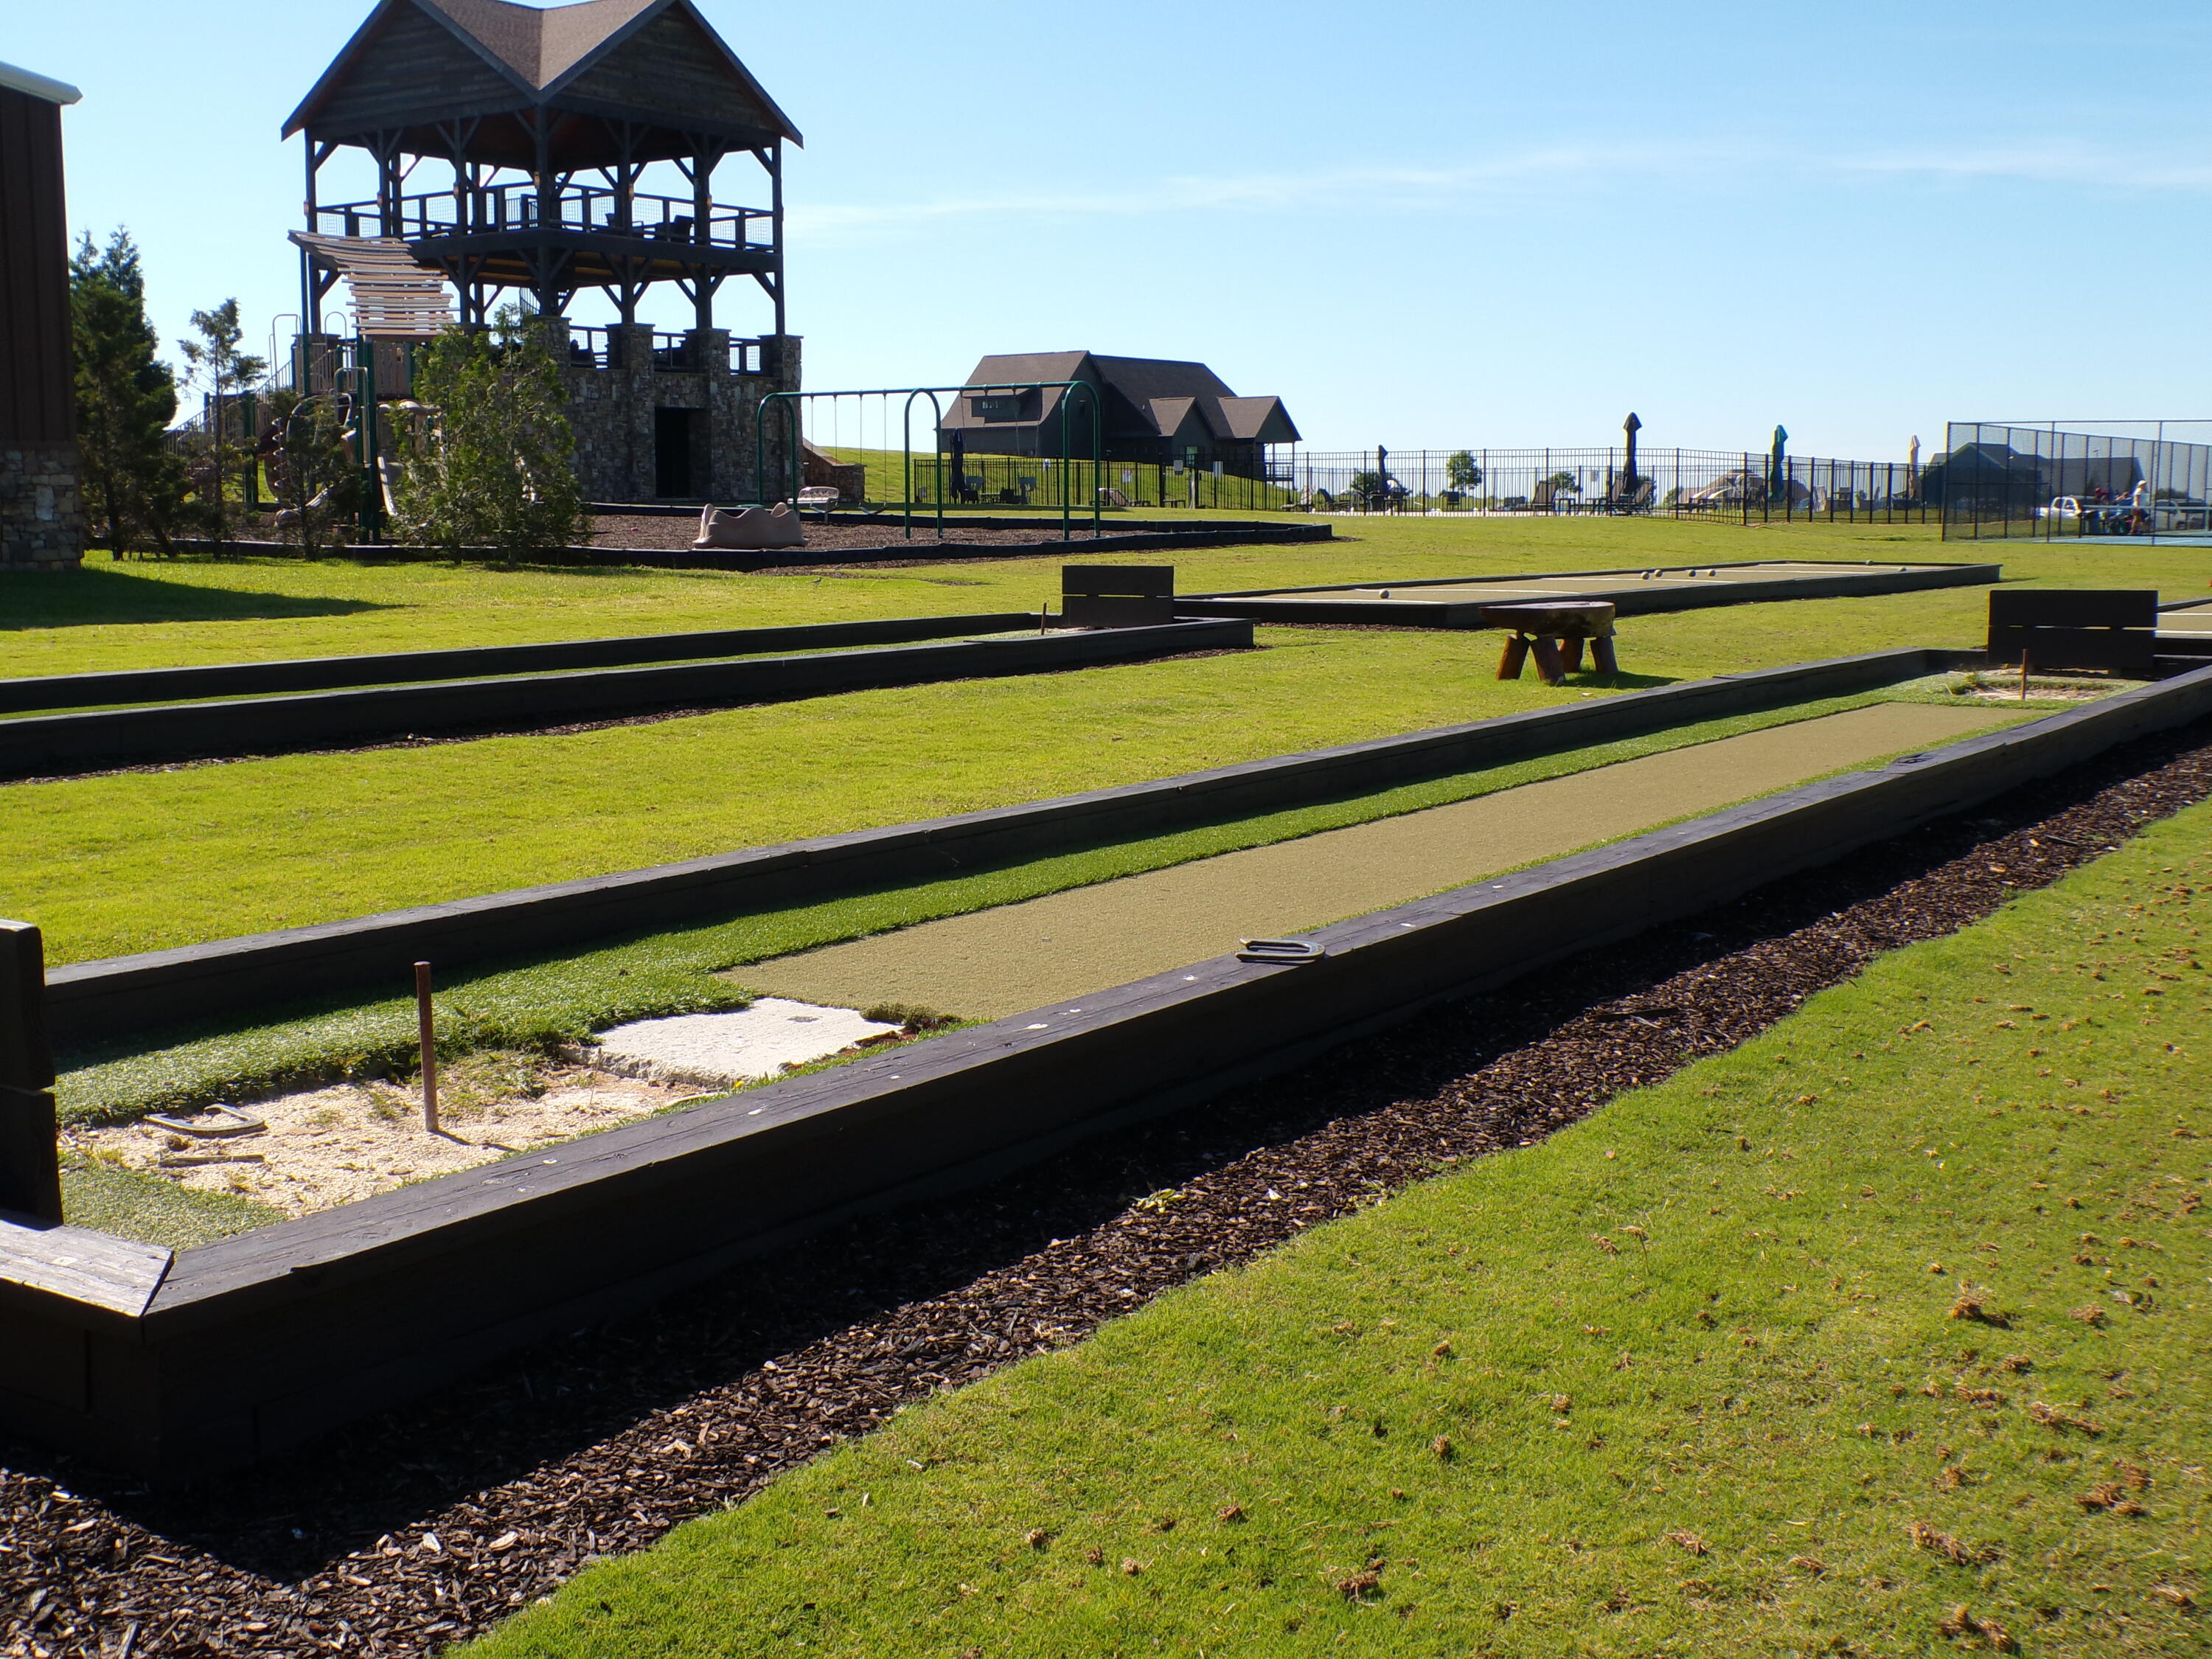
[1881, 1333]
[132, 1204]
[564, 1000]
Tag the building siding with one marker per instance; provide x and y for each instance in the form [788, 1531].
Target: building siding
[37, 401]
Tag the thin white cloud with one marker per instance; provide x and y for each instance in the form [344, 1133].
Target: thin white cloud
[1529, 173]
[2047, 163]
[1332, 187]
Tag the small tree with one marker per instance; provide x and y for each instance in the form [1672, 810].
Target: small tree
[493, 465]
[125, 399]
[1461, 471]
[313, 468]
[221, 372]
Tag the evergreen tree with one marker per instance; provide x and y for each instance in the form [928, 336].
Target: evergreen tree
[125, 399]
[221, 372]
[494, 463]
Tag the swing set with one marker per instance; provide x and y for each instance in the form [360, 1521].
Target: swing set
[799, 424]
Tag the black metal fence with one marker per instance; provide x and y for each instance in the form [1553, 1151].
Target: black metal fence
[1668, 482]
[1029, 481]
[2151, 480]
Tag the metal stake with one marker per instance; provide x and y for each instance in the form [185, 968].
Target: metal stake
[428, 1020]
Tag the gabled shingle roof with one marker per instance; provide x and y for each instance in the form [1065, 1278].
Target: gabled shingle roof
[1166, 395]
[539, 47]
[1259, 420]
[539, 50]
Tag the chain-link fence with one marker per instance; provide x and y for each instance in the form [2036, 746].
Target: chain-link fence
[2052, 480]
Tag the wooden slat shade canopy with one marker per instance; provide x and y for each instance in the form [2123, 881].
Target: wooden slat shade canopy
[475, 80]
[394, 298]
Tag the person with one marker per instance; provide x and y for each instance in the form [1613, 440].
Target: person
[2139, 517]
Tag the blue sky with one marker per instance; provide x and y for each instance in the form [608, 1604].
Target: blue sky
[1421, 224]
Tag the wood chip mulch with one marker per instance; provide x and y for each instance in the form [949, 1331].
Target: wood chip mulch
[654, 533]
[409, 1532]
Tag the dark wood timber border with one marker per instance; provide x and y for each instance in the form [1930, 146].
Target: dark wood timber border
[176, 1364]
[265, 679]
[146, 993]
[40, 745]
[1632, 599]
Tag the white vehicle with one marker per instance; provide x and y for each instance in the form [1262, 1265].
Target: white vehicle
[2061, 506]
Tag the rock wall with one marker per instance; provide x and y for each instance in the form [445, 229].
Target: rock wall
[613, 408]
[41, 516]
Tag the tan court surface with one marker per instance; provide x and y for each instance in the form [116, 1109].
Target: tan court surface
[994, 962]
[1574, 584]
[2193, 619]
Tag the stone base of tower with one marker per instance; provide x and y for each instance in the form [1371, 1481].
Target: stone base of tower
[658, 417]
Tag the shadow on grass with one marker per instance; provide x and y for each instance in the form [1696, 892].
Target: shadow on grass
[96, 596]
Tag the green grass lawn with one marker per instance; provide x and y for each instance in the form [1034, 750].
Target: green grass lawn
[144, 861]
[537, 1004]
[1685, 1379]
[143, 614]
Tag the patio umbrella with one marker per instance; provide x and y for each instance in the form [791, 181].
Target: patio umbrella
[959, 468]
[1777, 468]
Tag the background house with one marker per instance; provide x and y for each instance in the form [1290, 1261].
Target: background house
[1156, 412]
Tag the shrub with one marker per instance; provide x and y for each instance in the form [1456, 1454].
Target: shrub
[489, 462]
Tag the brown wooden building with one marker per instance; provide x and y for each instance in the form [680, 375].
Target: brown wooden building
[548, 119]
[40, 522]
[539, 125]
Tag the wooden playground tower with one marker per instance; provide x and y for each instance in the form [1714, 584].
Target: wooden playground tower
[538, 127]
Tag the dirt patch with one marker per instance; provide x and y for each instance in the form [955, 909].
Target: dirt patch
[600, 1442]
[1995, 687]
[992, 963]
[324, 1147]
[651, 532]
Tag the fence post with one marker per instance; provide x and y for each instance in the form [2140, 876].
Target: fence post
[30, 1155]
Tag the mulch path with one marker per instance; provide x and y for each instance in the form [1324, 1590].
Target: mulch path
[653, 532]
[403, 1534]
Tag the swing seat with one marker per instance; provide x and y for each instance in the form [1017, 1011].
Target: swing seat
[749, 529]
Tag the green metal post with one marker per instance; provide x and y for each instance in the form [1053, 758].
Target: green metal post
[373, 519]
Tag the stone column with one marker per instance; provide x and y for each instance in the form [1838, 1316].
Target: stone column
[722, 403]
[41, 515]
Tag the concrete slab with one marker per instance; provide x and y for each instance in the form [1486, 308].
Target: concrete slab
[717, 1050]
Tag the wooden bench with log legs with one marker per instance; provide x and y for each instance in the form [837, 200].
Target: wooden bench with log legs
[1553, 632]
